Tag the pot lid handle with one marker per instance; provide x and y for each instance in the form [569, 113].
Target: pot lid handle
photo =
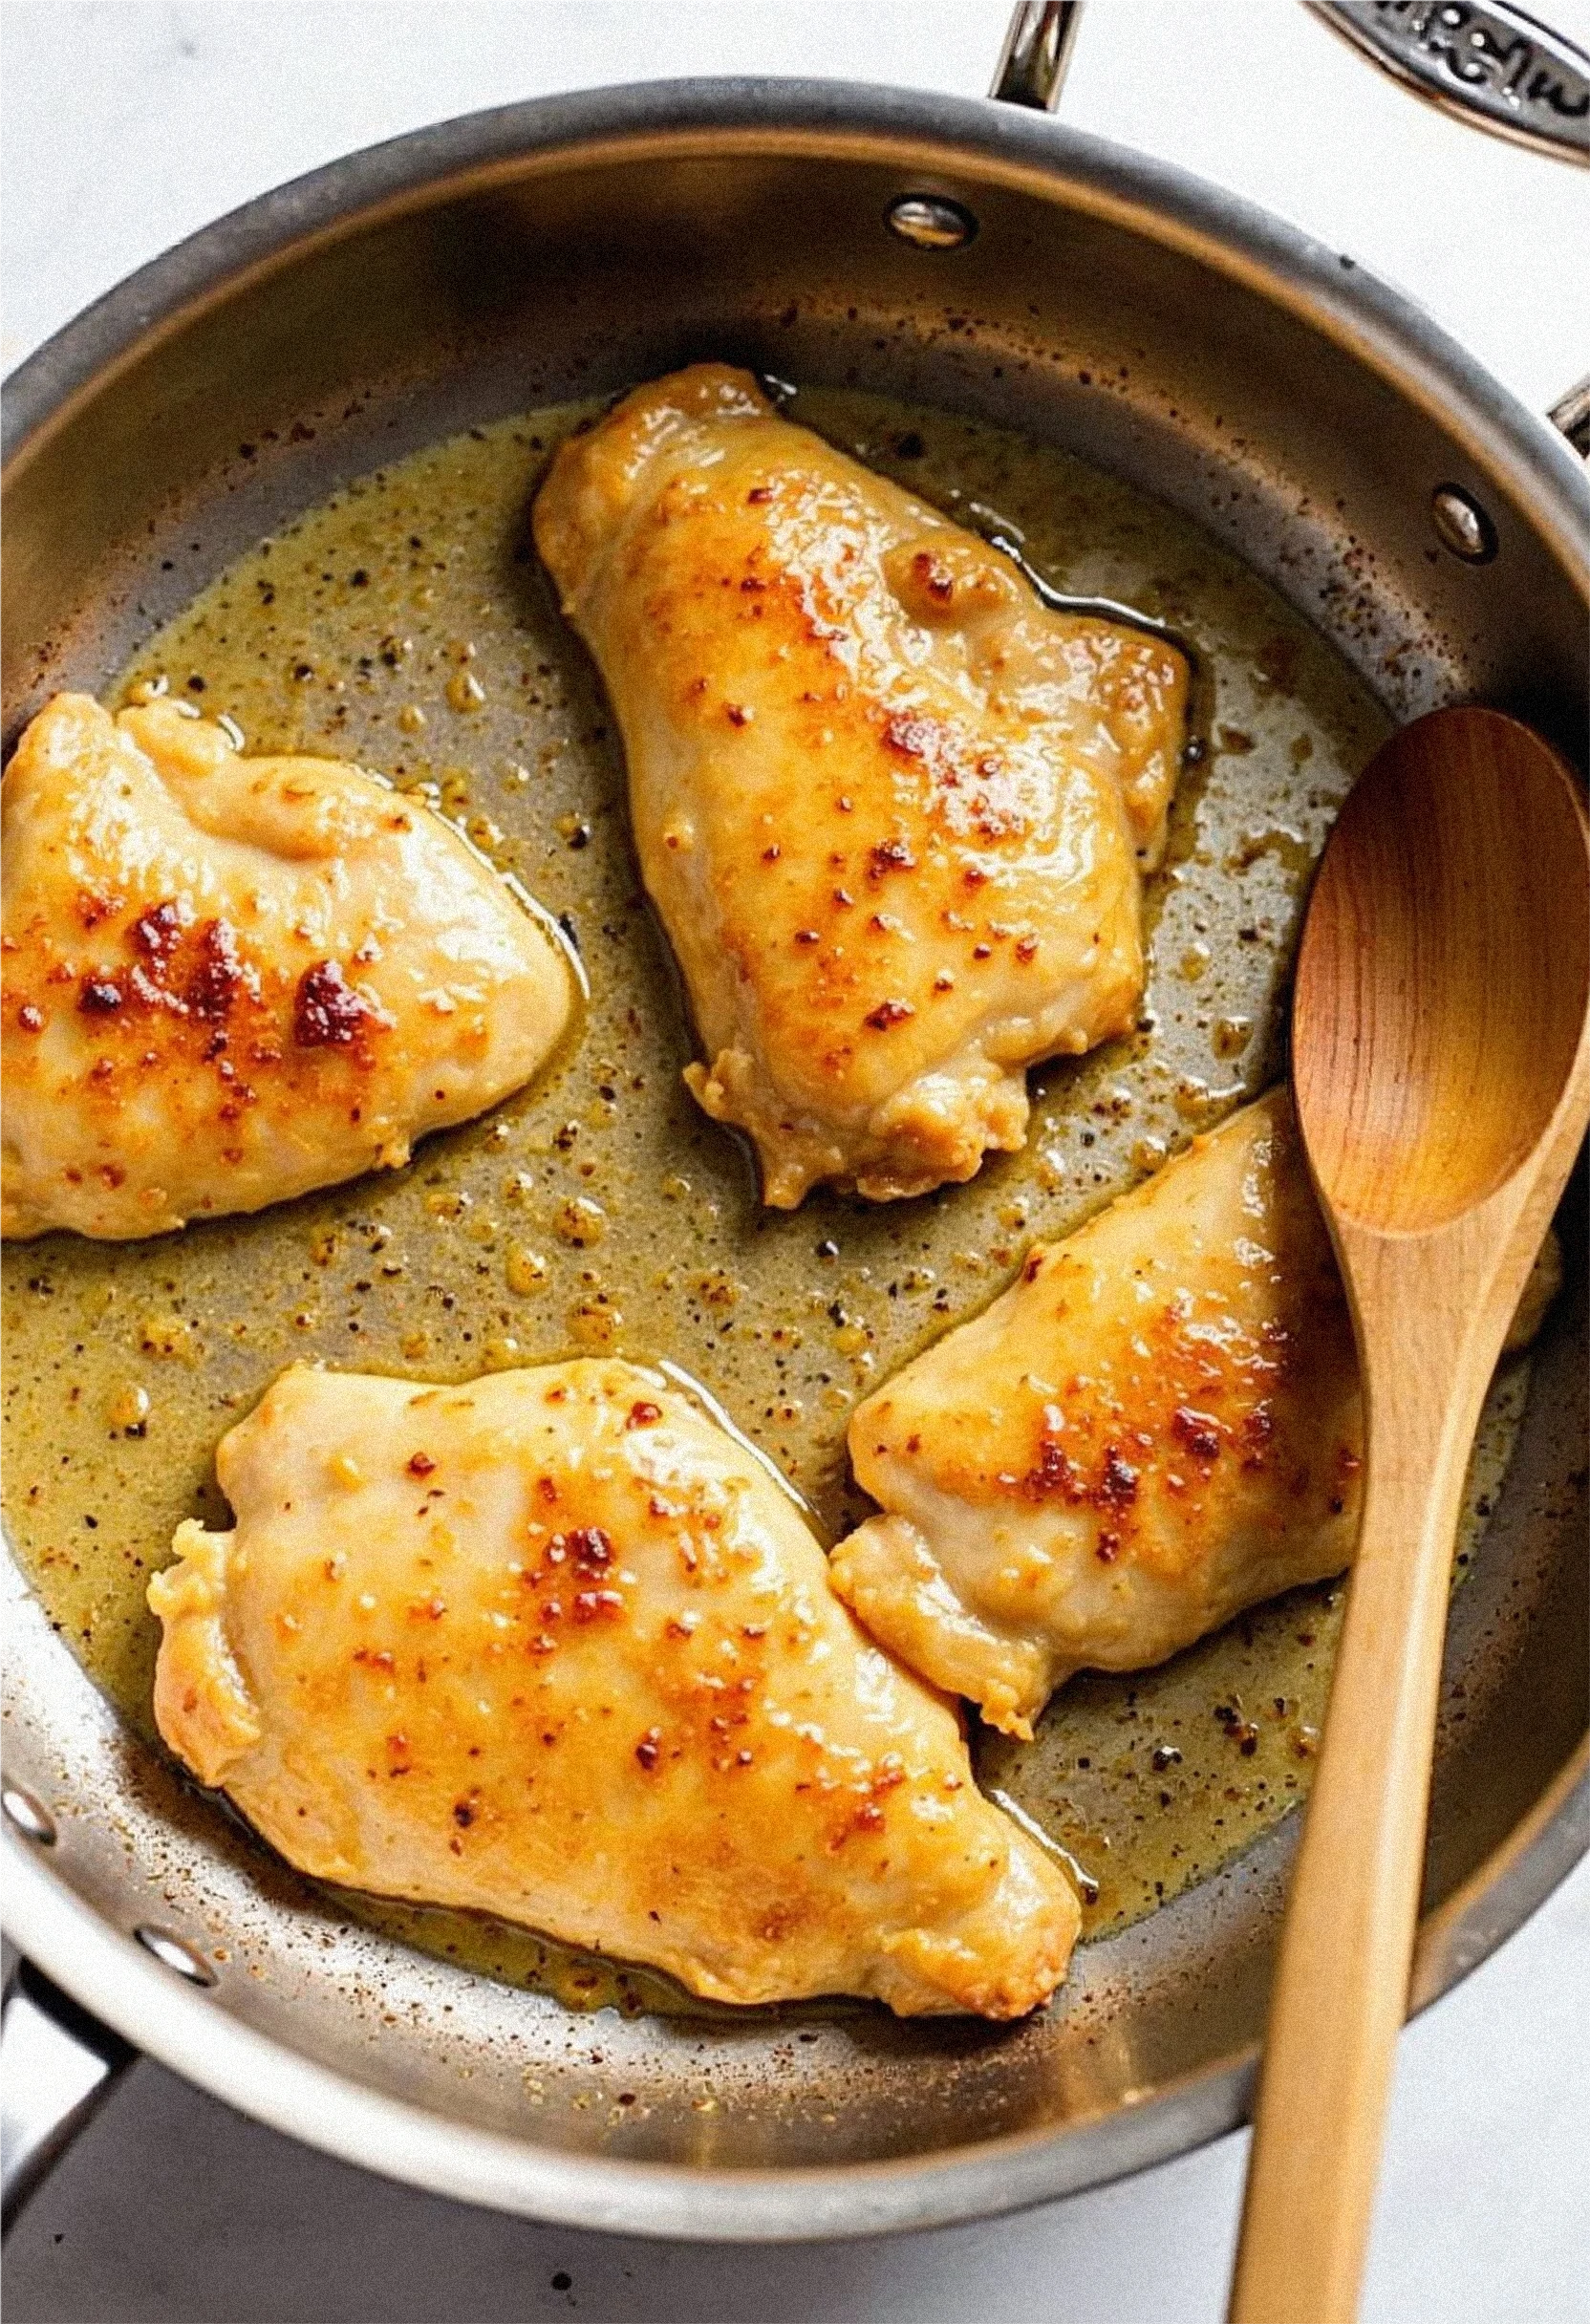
[1492, 65]
[59, 2066]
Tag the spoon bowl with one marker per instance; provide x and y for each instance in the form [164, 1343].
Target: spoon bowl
[1441, 1064]
[1444, 978]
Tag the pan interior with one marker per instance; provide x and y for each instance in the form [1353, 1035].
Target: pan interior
[517, 273]
[406, 624]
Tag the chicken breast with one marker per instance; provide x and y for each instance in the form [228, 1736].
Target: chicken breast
[229, 980]
[555, 1646]
[892, 811]
[1157, 1424]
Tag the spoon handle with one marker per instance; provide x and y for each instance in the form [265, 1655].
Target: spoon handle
[1340, 1985]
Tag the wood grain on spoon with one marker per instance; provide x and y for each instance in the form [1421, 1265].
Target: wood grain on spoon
[1441, 1060]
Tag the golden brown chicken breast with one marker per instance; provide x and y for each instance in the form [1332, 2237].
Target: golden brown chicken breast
[892, 810]
[229, 979]
[555, 1646]
[1157, 1424]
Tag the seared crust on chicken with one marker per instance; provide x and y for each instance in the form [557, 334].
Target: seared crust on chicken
[229, 979]
[893, 813]
[1158, 1425]
[553, 1645]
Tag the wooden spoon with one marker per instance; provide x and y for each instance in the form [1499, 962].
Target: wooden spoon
[1441, 1060]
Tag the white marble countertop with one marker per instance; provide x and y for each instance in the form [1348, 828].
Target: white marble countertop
[127, 124]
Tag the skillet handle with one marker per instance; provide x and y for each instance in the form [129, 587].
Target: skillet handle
[58, 2066]
[1492, 65]
[1036, 54]
[1571, 414]
[1486, 62]
[1508, 74]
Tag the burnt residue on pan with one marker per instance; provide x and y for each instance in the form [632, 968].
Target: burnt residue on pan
[406, 623]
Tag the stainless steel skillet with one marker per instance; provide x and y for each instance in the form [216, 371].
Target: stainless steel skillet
[1437, 534]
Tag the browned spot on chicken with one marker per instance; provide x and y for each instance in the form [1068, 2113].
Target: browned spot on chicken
[327, 1010]
[217, 972]
[890, 855]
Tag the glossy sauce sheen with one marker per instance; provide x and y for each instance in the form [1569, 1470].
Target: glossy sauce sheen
[407, 625]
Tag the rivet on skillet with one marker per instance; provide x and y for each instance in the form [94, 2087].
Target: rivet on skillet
[933, 221]
[174, 1953]
[1462, 525]
[31, 1817]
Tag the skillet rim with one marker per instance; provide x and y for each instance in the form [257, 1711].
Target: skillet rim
[1395, 338]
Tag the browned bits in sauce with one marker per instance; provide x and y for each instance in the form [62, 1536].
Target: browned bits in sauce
[770, 855]
[326, 1010]
[100, 996]
[1025, 948]
[889, 1013]
[737, 714]
[807, 935]
[463, 1813]
[1277, 663]
[643, 1415]
[30, 1018]
[587, 1545]
[649, 1747]
[420, 1464]
[758, 495]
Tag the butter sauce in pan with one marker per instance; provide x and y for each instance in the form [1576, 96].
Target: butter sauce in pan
[407, 625]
